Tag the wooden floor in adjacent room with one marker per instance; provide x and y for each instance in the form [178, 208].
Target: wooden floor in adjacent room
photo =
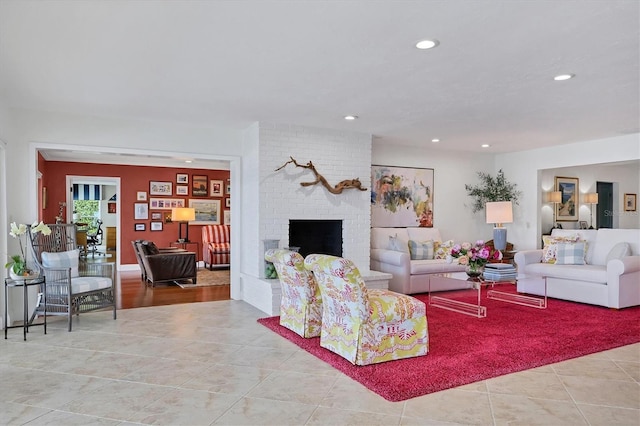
[133, 293]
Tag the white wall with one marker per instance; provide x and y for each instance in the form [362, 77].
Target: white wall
[525, 169]
[452, 213]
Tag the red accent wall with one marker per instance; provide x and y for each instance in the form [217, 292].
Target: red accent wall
[132, 180]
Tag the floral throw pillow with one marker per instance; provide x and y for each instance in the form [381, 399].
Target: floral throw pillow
[442, 249]
[550, 249]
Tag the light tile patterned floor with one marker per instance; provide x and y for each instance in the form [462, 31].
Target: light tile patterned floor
[212, 363]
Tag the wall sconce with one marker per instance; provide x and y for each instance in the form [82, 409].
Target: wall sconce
[183, 215]
[555, 198]
[499, 212]
[591, 198]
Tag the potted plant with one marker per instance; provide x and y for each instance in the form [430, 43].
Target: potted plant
[18, 262]
[492, 189]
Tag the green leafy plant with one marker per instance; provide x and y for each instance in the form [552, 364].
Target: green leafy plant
[492, 189]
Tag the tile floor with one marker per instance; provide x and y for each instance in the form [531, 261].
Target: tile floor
[212, 363]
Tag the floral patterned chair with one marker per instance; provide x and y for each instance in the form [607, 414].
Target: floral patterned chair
[366, 326]
[301, 303]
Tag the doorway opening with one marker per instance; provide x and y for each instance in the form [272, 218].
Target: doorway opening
[604, 216]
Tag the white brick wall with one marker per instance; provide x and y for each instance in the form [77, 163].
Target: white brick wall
[337, 156]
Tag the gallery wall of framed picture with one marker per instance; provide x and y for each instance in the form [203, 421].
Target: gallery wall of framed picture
[208, 192]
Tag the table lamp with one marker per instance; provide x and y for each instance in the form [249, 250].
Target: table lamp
[591, 198]
[183, 215]
[555, 197]
[499, 212]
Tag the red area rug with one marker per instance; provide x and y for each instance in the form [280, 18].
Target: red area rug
[465, 349]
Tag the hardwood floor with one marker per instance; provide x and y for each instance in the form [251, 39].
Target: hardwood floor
[133, 293]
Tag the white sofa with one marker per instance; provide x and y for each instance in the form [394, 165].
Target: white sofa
[410, 276]
[607, 279]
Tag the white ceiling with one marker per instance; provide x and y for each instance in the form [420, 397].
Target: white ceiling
[232, 63]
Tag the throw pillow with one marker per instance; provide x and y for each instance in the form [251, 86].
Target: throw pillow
[394, 243]
[442, 249]
[619, 251]
[570, 254]
[421, 250]
[551, 245]
[62, 260]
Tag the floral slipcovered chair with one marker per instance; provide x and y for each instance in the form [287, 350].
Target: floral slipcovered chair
[301, 303]
[366, 326]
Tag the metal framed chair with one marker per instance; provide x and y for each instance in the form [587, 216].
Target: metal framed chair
[94, 239]
[73, 286]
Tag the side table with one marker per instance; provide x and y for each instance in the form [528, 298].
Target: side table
[25, 283]
[185, 245]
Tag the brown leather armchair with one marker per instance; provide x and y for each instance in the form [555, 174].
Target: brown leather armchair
[165, 265]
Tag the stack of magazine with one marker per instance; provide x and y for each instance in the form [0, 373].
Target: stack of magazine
[499, 272]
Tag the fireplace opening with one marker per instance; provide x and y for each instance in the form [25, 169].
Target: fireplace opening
[316, 236]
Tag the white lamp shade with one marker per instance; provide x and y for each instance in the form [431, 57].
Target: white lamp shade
[183, 214]
[591, 198]
[555, 197]
[499, 212]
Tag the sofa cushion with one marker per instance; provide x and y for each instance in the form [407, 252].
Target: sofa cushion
[590, 273]
[62, 260]
[423, 234]
[433, 266]
[570, 253]
[442, 249]
[619, 251]
[380, 238]
[421, 250]
[608, 238]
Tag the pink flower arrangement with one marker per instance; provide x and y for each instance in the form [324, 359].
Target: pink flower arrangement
[478, 254]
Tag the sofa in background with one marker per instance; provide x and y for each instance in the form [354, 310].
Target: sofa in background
[610, 275]
[390, 253]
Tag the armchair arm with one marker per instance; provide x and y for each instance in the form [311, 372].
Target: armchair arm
[527, 257]
[97, 269]
[391, 257]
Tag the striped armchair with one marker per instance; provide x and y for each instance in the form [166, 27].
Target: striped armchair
[366, 326]
[216, 245]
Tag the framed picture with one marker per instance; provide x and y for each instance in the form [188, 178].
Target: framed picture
[401, 196]
[228, 189]
[167, 217]
[156, 226]
[199, 186]
[227, 202]
[166, 203]
[182, 190]
[141, 211]
[160, 188]
[227, 217]
[567, 208]
[583, 224]
[111, 207]
[629, 202]
[207, 212]
[141, 196]
[215, 187]
[156, 215]
[182, 178]
[139, 227]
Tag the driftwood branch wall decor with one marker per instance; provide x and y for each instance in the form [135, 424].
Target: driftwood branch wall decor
[337, 189]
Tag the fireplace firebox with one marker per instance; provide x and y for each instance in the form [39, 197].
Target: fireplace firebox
[316, 236]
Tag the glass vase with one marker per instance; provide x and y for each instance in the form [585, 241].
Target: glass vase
[474, 270]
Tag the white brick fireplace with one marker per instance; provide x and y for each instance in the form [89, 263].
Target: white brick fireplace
[280, 197]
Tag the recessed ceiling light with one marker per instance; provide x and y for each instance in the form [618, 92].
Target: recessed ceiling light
[427, 44]
[435, 140]
[350, 117]
[563, 77]
[485, 145]
[188, 161]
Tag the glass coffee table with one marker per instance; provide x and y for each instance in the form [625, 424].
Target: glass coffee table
[447, 299]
